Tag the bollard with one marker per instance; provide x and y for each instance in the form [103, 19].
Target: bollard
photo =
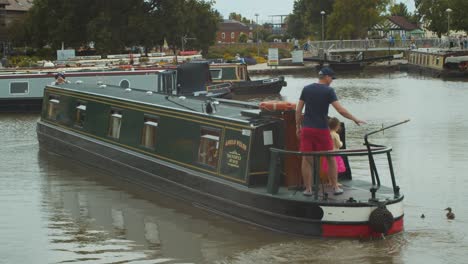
[274, 173]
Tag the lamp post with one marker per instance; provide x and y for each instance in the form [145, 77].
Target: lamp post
[448, 10]
[256, 29]
[323, 31]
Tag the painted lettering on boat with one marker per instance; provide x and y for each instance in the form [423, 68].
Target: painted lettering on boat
[233, 159]
[234, 142]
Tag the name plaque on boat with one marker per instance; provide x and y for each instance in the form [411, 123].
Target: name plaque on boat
[234, 159]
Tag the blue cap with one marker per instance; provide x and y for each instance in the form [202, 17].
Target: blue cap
[327, 71]
[60, 74]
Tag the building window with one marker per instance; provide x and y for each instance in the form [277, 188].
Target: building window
[19, 88]
[124, 84]
[223, 35]
[148, 135]
[115, 122]
[209, 146]
[80, 114]
[437, 60]
[250, 35]
[52, 107]
[233, 35]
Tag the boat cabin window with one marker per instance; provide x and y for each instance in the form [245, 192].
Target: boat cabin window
[52, 107]
[242, 73]
[19, 88]
[148, 135]
[209, 147]
[80, 114]
[216, 74]
[124, 84]
[115, 122]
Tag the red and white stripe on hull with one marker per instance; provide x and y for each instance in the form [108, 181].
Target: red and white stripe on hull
[340, 221]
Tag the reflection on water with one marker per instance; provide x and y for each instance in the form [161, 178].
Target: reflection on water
[93, 217]
[55, 210]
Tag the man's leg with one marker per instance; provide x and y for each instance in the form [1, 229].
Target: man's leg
[307, 173]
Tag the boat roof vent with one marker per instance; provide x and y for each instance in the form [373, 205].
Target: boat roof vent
[128, 90]
[149, 93]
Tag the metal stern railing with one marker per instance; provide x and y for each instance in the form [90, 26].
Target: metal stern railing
[371, 149]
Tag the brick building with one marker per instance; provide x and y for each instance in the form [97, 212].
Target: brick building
[11, 10]
[230, 30]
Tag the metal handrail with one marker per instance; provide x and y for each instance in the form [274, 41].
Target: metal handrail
[370, 151]
[373, 168]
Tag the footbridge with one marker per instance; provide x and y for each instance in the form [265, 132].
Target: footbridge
[362, 45]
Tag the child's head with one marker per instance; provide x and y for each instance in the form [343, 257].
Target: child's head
[334, 124]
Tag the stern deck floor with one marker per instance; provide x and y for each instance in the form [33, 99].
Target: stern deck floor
[355, 189]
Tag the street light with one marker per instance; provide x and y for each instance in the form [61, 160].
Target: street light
[323, 31]
[256, 28]
[448, 10]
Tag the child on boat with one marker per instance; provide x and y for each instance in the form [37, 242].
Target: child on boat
[335, 126]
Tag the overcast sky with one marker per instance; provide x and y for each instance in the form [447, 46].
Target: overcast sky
[266, 8]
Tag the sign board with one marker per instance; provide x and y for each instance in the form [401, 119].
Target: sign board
[297, 56]
[273, 58]
[65, 54]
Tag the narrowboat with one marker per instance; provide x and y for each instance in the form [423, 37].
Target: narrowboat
[23, 90]
[238, 76]
[445, 63]
[237, 159]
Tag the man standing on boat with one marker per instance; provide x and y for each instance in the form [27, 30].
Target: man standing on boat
[312, 129]
[59, 79]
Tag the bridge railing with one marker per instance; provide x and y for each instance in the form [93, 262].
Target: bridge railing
[363, 44]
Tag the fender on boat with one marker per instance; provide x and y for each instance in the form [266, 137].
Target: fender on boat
[277, 106]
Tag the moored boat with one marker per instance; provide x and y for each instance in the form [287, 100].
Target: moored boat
[238, 76]
[23, 90]
[445, 63]
[234, 158]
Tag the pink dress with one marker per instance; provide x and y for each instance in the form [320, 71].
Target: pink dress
[339, 160]
[339, 164]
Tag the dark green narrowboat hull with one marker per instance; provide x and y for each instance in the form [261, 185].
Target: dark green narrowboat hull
[266, 86]
[232, 200]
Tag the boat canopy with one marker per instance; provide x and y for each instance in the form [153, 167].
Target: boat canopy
[456, 59]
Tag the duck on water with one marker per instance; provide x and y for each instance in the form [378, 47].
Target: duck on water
[234, 158]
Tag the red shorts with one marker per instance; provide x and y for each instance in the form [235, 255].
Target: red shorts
[315, 139]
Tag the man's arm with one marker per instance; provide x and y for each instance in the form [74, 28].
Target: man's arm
[340, 109]
[299, 107]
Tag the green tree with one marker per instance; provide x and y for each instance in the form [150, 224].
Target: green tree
[459, 18]
[434, 15]
[399, 10]
[114, 25]
[203, 25]
[243, 38]
[306, 18]
[353, 19]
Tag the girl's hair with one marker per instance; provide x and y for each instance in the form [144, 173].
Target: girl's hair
[334, 123]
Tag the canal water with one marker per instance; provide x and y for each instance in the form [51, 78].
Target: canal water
[56, 210]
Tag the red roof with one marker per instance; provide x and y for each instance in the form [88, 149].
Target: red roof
[232, 25]
[403, 23]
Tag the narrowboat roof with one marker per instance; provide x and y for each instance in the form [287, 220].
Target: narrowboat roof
[242, 112]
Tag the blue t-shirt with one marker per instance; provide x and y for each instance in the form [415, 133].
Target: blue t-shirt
[317, 97]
